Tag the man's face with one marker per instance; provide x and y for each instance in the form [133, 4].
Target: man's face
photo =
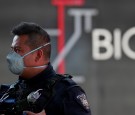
[19, 46]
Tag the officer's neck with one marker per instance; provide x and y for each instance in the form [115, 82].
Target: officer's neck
[31, 72]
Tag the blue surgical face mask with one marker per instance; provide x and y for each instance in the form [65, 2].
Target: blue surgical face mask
[16, 63]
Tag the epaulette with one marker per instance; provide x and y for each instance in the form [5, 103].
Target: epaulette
[67, 82]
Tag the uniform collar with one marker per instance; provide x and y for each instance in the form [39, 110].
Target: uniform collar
[41, 77]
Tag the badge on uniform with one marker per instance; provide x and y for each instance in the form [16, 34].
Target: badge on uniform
[82, 100]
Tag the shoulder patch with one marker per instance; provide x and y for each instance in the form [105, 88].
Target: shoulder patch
[82, 100]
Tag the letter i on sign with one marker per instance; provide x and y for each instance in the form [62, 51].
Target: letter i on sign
[61, 25]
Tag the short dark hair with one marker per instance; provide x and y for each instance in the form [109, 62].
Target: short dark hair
[37, 36]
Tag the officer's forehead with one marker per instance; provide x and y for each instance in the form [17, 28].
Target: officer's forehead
[19, 41]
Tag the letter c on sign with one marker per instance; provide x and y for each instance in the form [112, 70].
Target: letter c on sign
[125, 43]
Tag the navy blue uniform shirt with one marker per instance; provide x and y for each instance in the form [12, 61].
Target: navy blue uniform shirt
[68, 98]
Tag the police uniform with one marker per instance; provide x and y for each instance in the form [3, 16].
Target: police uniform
[63, 95]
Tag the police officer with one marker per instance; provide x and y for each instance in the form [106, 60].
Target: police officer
[30, 60]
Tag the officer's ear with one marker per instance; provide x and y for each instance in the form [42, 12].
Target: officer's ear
[39, 55]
